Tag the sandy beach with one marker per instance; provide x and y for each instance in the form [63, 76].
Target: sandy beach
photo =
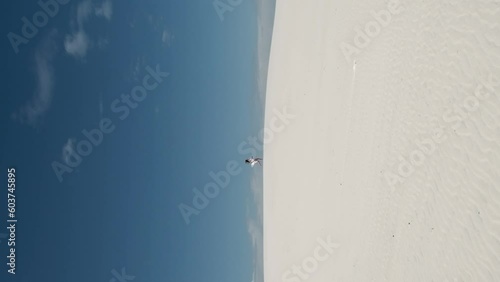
[389, 168]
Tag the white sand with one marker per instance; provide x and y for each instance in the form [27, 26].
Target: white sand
[354, 124]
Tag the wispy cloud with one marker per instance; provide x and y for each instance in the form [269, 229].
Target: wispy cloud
[254, 230]
[105, 10]
[255, 227]
[36, 108]
[78, 42]
[67, 150]
[167, 38]
[83, 12]
[137, 66]
[258, 193]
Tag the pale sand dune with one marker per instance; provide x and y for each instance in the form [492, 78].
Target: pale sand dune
[355, 124]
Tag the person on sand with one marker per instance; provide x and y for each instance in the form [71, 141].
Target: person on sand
[252, 161]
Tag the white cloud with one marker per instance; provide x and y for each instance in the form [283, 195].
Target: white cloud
[255, 227]
[83, 12]
[35, 109]
[67, 150]
[137, 66]
[258, 193]
[77, 44]
[106, 10]
[254, 231]
[167, 38]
